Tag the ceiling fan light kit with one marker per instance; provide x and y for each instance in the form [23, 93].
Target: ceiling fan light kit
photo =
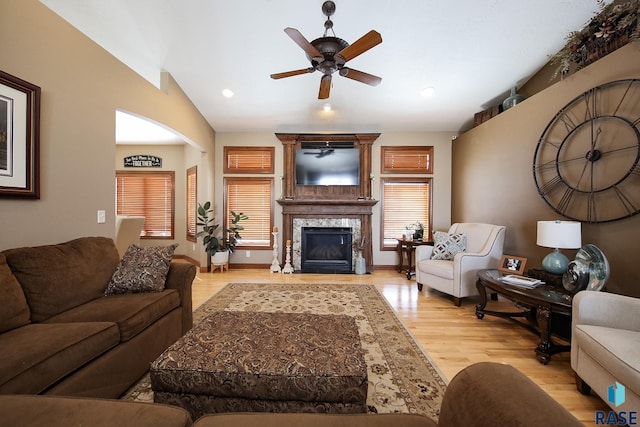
[329, 54]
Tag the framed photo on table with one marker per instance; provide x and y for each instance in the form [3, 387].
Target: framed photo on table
[512, 264]
[19, 138]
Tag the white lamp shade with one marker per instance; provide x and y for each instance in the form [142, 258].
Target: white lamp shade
[559, 234]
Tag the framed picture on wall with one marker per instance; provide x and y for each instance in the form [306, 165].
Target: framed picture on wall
[512, 264]
[19, 138]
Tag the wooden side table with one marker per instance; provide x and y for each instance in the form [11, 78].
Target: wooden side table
[406, 250]
[543, 309]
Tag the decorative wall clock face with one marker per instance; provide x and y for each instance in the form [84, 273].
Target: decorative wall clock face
[586, 164]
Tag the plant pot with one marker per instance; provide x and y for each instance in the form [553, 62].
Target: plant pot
[220, 258]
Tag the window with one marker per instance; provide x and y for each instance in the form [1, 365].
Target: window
[252, 197]
[407, 159]
[248, 159]
[192, 197]
[404, 201]
[148, 194]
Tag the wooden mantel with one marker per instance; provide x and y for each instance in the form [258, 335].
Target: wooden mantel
[328, 201]
[292, 141]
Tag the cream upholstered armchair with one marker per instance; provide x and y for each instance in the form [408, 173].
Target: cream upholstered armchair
[128, 229]
[457, 276]
[605, 344]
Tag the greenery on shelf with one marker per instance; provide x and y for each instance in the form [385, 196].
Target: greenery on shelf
[214, 240]
[615, 25]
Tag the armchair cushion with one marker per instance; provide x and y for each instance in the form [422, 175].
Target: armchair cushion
[446, 245]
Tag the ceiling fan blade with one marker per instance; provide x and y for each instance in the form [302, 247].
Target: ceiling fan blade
[292, 73]
[325, 87]
[360, 76]
[363, 44]
[301, 41]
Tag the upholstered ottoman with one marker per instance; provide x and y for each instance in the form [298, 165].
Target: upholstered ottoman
[264, 362]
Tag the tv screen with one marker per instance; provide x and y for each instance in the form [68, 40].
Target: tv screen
[327, 166]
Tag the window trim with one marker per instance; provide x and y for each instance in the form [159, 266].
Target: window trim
[270, 152]
[422, 180]
[427, 150]
[226, 219]
[192, 171]
[172, 175]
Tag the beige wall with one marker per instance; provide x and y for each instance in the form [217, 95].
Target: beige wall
[82, 87]
[441, 182]
[493, 176]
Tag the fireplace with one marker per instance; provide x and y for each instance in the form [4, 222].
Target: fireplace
[326, 250]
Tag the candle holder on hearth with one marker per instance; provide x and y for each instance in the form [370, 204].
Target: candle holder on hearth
[288, 269]
[275, 265]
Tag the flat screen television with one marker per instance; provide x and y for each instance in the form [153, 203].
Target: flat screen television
[322, 165]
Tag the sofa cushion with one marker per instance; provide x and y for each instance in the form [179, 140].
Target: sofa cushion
[56, 278]
[132, 313]
[15, 311]
[41, 354]
[446, 246]
[617, 349]
[58, 411]
[141, 270]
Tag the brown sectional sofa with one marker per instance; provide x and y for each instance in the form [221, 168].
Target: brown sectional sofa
[61, 336]
[481, 395]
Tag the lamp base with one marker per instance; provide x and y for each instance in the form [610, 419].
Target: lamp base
[556, 262]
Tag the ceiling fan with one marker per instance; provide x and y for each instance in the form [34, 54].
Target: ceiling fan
[329, 54]
[322, 153]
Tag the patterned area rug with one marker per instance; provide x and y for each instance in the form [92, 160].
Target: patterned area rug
[401, 376]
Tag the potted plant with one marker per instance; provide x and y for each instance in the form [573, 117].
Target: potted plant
[218, 244]
[418, 232]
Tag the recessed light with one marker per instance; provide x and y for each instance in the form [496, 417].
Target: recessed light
[326, 107]
[227, 93]
[428, 91]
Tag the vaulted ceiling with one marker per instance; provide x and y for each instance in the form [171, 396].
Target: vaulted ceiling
[471, 52]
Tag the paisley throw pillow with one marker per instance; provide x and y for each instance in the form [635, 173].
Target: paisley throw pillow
[141, 270]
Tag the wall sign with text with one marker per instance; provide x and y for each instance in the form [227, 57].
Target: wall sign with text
[142, 161]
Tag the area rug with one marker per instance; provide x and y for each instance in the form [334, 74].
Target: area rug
[401, 376]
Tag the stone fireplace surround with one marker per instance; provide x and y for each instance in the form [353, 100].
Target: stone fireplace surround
[355, 214]
[298, 223]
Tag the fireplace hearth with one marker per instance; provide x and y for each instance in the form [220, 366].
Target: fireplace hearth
[326, 250]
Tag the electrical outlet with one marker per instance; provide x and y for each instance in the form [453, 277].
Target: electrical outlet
[102, 216]
[247, 254]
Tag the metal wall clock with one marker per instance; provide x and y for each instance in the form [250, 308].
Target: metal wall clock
[586, 164]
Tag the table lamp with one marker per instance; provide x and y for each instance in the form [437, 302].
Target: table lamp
[558, 235]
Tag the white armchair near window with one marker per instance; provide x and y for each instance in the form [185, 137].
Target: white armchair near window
[458, 277]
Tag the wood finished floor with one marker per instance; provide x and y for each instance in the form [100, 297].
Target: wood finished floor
[452, 336]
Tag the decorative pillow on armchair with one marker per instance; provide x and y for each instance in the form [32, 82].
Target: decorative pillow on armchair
[446, 246]
[141, 270]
